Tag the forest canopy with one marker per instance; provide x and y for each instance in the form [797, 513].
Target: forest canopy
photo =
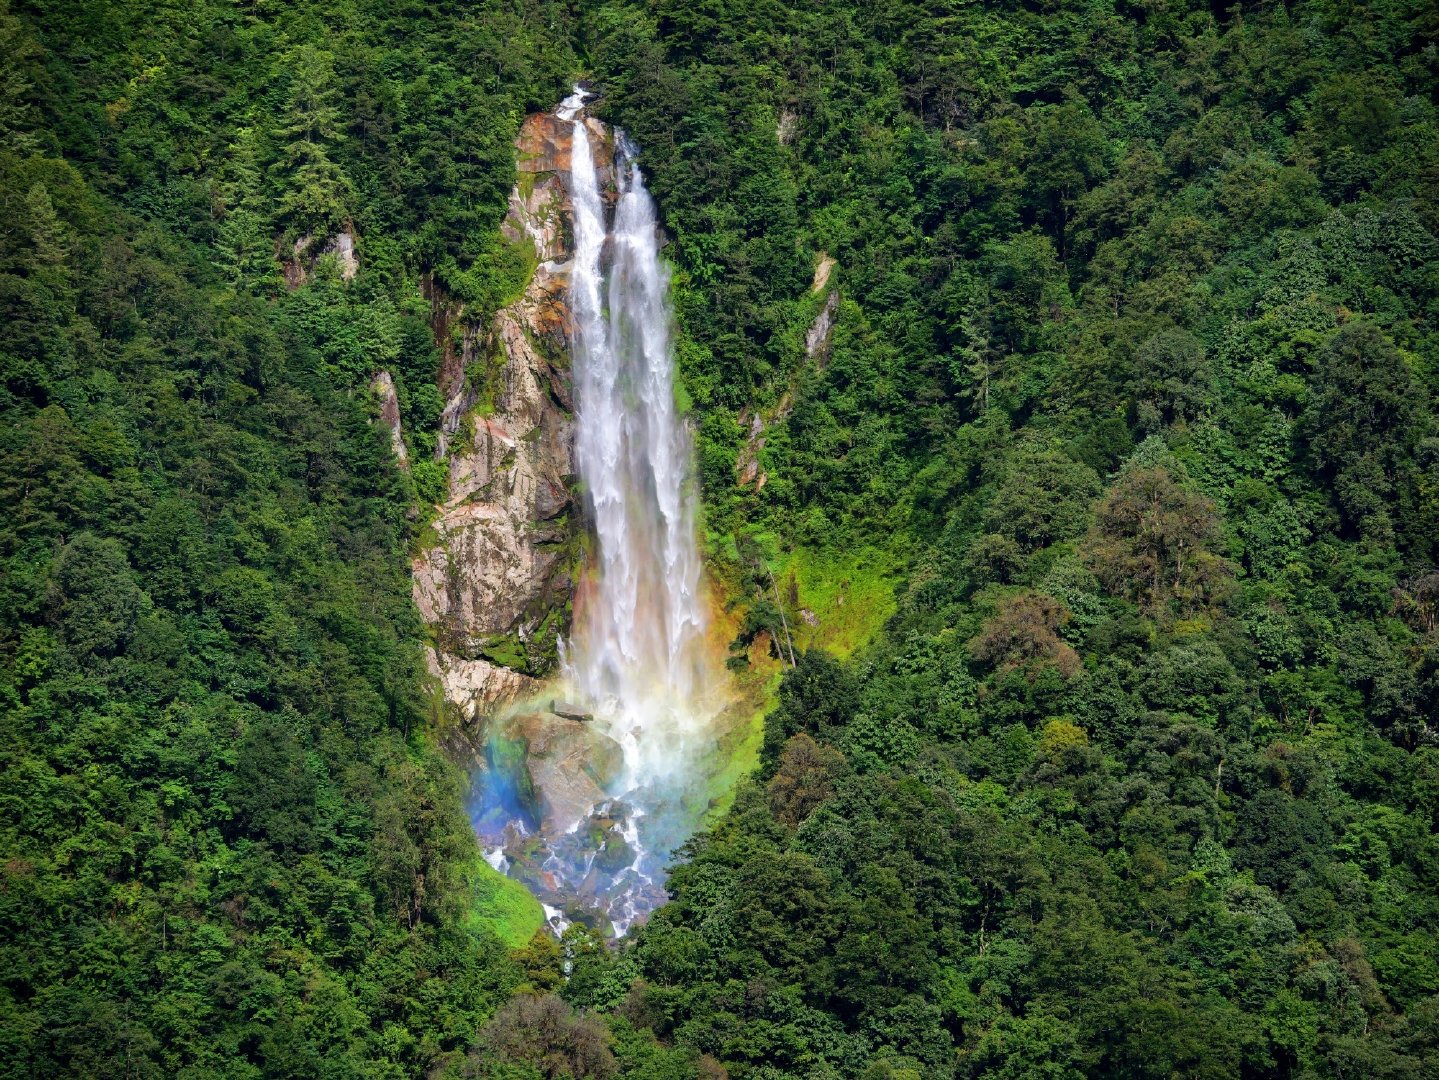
[1130, 388]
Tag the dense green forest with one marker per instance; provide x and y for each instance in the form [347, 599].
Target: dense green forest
[230, 847]
[1131, 385]
[1133, 374]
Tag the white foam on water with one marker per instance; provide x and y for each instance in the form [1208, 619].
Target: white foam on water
[636, 658]
[636, 655]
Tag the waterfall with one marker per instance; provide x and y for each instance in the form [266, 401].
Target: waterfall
[636, 652]
[585, 800]
[587, 784]
[636, 655]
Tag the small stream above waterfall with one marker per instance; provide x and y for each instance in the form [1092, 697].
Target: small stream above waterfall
[623, 738]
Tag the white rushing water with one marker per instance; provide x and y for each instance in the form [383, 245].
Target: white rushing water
[636, 660]
[636, 655]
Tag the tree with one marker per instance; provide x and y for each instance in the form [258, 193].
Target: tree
[975, 362]
[1043, 496]
[817, 695]
[547, 1035]
[1020, 1047]
[1068, 157]
[1363, 419]
[805, 778]
[315, 193]
[1417, 603]
[1172, 383]
[1155, 543]
[273, 793]
[93, 597]
[1023, 636]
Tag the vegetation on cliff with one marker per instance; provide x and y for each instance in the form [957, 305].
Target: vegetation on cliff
[229, 846]
[1133, 373]
[1130, 388]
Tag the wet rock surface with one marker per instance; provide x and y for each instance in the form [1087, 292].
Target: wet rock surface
[383, 387]
[299, 263]
[817, 337]
[476, 686]
[594, 874]
[546, 143]
[570, 766]
[541, 807]
[496, 582]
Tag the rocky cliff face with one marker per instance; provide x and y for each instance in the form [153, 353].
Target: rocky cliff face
[817, 345]
[496, 581]
[300, 261]
[388, 400]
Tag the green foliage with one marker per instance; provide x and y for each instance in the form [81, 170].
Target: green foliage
[228, 846]
[1132, 383]
[317, 195]
[1113, 493]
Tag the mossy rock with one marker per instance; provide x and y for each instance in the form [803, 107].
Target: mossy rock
[507, 650]
[615, 855]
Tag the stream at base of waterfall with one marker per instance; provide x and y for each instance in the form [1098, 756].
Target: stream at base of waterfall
[623, 746]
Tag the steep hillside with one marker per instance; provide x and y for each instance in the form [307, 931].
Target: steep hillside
[230, 846]
[1063, 383]
[1132, 373]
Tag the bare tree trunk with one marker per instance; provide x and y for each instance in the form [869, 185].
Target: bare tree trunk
[778, 603]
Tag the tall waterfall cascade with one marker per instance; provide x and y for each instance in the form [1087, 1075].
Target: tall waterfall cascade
[619, 758]
[636, 655]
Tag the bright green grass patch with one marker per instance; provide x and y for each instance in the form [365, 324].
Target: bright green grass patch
[501, 905]
[739, 752]
[851, 595]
